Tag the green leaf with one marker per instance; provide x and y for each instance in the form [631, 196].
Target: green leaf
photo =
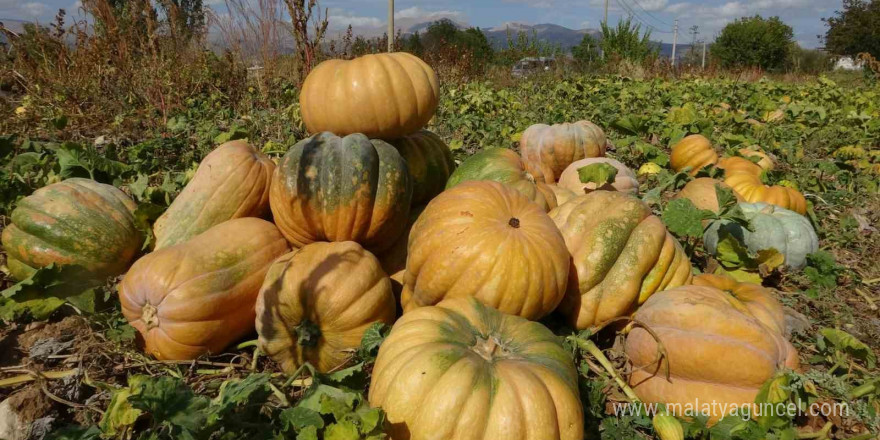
[372, 339]
[848, 344]
[730, 252]
[170, 402]
[308, 433]
[47, 289]
[75, 433]
[370, 419]
[119, 414]
[598, 173]
[233, 134]
[684, 219]
[344, 430]
[299, 418]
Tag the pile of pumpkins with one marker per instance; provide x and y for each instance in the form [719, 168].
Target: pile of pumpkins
[370, 222]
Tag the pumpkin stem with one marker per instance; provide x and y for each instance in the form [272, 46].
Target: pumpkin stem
[307, 334]
[487, 348]
[150, 316]
[514, 222]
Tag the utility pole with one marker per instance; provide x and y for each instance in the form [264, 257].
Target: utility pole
[606, 12]
[704, 54]
[390, 25]
[674, 42]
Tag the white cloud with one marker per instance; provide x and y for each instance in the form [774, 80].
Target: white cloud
[34, 10]
[653, 5]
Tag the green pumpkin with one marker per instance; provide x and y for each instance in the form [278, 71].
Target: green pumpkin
[504, 166]
[778, 228]
[429, 161]
[329, 188]
[74, 222]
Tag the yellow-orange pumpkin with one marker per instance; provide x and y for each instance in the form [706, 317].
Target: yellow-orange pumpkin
[547, 150]
[485, 240]
[764, 160]
[393, 260]
[702, 193]
[694, 151]
[429, 162]
[745, 178]
[384, 96]
[231, 182]
[721, 345]
[625, 180]
[316, 303]
[461, 370]
[621, 254]
[198, 297]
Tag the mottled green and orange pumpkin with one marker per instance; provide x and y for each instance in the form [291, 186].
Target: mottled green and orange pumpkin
[504, 166]
[702, 193]
[621, 254]
[429, 162]
[462, 370]
[485, 240]
[316, 303]
[75, 222]
[547, 150]
[723, 341]
[329, 188]
[198, 297]
[385, 96]
[231, 182]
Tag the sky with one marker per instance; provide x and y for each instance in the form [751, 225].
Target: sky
[369, 16]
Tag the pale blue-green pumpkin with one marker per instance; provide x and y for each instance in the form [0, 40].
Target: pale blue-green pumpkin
[778, 228]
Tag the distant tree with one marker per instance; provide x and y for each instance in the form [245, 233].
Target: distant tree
[445, 35]
[627, 41]
[855, 29]
[809, 61]
[475, 40]
[441, 32]
[587, 52]
[413, 44]
[754, 42]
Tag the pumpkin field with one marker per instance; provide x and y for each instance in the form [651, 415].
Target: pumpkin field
[407, 256]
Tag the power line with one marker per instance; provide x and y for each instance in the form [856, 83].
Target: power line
[633, 14]
[650, 14]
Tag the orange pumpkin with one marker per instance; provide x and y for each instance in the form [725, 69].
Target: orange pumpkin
[547, 150]
[198, 297]
[764, 160]
[562, 194]
[485, 240]
[231, 182]
[384, 96]
[461, 370]
[625, 181]
[316, 303]
[621, 254]
[694, 151]
[702, 193]
[721, 345]
[393, 260]
[745, 178]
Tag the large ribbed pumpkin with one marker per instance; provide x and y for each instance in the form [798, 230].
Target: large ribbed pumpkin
[774, 228]
[721, 346]
[74, 222]
[625, 180]
[461, 370]
[745, 178]
[504, 166]
[547, 150]
[703, 194]
[198, 297]
[328, 188]
[694, 151]
[764, 160]
[231, 182]
[621, 254]
[393, 259]
[317, 302]
[384, 96]
[484, 240]
[429, 162]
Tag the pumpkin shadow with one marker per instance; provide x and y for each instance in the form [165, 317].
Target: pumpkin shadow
[277, 297]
